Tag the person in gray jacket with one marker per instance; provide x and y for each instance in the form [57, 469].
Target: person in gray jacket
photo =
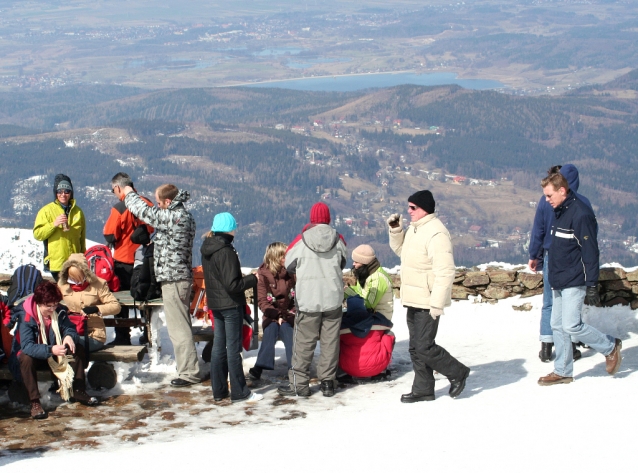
[174, 236]
[317, 257]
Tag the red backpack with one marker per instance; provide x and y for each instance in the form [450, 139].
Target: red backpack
[101, 262]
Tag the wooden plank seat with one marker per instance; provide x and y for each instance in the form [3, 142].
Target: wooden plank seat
[101, 374]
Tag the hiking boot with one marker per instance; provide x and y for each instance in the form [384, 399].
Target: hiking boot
[553, 378]
[457, 386]
[328, 388]
[613, 360]
[289, 390]
[576, 354]
[546, 352]
[254, 373]
[83, 398]
[37, 412]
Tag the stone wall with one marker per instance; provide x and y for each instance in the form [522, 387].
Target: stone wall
[615, 285]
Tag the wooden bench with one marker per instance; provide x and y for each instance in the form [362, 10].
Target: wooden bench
[100, 375]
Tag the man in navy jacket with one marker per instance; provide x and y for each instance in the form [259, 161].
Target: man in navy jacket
[573, 276]
[539, 243]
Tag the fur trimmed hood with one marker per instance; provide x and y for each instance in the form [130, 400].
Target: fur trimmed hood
[77, 260]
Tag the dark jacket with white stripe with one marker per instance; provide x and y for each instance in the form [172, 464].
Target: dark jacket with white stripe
[573, 254]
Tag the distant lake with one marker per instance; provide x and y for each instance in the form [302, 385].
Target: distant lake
[350, 83]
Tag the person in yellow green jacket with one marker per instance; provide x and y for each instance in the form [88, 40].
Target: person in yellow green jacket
[61, 226]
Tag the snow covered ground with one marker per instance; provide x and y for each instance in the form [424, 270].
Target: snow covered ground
[503, 421]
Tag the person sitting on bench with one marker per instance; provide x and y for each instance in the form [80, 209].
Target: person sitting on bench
[84, 293]
[276, 299]
[46, 338]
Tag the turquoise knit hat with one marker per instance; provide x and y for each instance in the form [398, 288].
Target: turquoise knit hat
[224, 223]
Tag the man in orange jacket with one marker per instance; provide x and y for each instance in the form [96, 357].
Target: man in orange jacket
[117, 232]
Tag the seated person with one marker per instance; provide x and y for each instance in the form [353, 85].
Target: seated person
[44, 339]
[276, 300]
[84, 293]
[366, 342]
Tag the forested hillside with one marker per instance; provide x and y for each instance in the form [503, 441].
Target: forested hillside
[267, 154]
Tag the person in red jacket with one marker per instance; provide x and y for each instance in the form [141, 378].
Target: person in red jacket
[118, 230]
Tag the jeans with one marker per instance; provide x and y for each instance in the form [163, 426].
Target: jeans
[548, 299]
[94, 345]
[567, 324]
[226, 360]
[426, 355]
[266, 355]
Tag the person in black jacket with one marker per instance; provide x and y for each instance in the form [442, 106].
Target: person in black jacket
[225, 286]
[573, 276]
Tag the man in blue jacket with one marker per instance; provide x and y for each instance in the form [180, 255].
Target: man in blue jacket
[573, 276]
[539, 244]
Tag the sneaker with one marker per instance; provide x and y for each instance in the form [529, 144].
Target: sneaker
[252, 397]
[553, 378]
[613, 360]
[328, 388]
[254, 373]
[37, 412]
[289, 390]
[546, 352]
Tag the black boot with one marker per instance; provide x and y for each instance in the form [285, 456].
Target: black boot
[328, 388]
[458, 385]
[254, 373]
[576, 354]
[546, 352]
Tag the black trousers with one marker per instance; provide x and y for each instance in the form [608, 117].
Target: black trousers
[123, 271]
[426, 355]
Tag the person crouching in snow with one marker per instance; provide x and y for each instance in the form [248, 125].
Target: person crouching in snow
[366, 342]
[276, 299]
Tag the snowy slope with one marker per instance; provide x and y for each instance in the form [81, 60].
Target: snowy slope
[503, 421]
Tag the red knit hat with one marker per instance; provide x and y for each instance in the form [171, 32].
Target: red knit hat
[320, 213]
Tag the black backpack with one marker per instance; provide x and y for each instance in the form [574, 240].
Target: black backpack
[144, 286]
[23, 282]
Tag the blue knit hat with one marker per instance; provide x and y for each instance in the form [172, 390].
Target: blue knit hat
[224, 223]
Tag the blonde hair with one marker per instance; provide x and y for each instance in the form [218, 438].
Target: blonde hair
[274, 252]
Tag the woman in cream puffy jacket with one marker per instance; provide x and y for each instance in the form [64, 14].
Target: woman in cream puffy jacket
[84, 293]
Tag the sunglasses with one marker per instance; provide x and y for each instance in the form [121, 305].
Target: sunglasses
[64, 191]
[412, 207]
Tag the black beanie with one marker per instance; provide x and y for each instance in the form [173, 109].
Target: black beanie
[424, 200]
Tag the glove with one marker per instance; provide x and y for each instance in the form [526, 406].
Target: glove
[395, 221]
[92, 309]
[591, 296]
[435, 312]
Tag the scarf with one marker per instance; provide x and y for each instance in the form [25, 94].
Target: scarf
[61, 369]
[78, 287]
[365, 271]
